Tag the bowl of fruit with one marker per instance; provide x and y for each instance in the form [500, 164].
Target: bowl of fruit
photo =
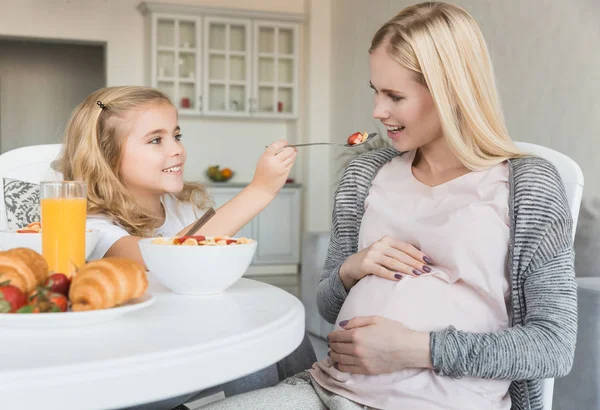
[198, 265]
[216, 174]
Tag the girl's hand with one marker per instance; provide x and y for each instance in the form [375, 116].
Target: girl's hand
[272, 169]
[388, 258]
[377, 345]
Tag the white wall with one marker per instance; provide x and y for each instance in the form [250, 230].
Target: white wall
[318, 195]
[120, 25]
[547, 62]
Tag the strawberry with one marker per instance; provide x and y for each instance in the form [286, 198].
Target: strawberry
[58, 283]
[182, 239]
[355, 138]
[48, 301]
[11, 298]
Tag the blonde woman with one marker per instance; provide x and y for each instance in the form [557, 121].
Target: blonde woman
[450, 267]
[125, 143]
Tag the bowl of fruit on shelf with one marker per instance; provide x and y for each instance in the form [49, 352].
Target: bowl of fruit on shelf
[216, 174]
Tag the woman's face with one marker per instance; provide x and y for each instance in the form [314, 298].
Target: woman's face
[403, 105]
[153, 155]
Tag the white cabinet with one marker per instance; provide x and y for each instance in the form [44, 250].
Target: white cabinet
[276, 229]
[220, 62]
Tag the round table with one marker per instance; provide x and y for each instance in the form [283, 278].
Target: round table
[177, 345]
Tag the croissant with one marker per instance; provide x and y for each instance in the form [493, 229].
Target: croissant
[107, 283]
[25, 268]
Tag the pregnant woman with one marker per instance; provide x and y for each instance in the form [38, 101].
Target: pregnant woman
[450, 267]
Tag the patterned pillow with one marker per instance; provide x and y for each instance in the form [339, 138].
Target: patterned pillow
[22, 202]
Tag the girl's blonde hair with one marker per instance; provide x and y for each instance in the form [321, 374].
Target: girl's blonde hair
[444, 47]
[92, 153]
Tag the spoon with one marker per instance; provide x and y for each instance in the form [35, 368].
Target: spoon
[369, 138]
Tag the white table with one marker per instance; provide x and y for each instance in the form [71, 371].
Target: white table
[177, 345]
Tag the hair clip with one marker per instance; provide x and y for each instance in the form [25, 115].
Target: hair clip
[100, 104]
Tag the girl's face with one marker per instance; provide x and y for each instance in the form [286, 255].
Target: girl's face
[403, 105]
[153, 155]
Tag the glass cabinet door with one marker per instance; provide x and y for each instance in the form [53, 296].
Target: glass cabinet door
[177, 61]
[276, 71]
[227, 66]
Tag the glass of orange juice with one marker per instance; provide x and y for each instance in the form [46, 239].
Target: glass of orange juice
[63, 215]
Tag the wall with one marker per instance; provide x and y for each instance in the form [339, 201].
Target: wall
[120, 25]
[317, 160]
[546, 61]
[44, 81]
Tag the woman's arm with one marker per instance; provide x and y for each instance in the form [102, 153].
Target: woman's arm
[544, 346]
[331, 292]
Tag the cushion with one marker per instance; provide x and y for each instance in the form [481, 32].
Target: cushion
[22, 202]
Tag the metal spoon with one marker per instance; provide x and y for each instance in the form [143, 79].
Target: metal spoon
[369, 138]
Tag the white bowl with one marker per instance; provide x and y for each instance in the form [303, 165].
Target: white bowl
[10, 239]
[197, 270]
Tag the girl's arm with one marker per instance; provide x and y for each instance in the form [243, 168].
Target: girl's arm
[271, 173]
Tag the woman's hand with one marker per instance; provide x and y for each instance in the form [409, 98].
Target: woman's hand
[273, 168]
[388, 258]
[377, 345]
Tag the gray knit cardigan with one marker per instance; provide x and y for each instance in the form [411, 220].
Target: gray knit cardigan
[541, 340]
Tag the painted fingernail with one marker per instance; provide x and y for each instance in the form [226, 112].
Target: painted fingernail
[427, 259]
[337, 366]
[426, 268]
[398, 276]
[343, 323]
[329, 353]
[416, 272]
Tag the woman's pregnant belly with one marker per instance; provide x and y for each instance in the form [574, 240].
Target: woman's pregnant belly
[426, 303]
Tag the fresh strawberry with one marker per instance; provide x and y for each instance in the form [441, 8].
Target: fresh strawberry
[29, 309]
[47, 301]
[182, 239]
[355, 138]
[230, 241]
[11, 298]
[58, 283]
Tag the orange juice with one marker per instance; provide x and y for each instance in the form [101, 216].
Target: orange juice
[63, 233]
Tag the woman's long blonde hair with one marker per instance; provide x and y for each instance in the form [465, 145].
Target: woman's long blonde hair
[92, 153]
[443, 45]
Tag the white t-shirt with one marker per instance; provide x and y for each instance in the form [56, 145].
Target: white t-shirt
[178, 215]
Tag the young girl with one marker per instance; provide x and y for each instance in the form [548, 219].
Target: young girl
[125, 143]
[450, 266]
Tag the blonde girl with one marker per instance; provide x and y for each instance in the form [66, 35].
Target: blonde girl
[125, 143]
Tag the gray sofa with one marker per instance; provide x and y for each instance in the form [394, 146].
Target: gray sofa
[580, 390]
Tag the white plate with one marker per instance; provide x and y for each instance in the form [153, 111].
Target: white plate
[73, 319]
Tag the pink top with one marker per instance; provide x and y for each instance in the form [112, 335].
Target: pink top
[463, 226]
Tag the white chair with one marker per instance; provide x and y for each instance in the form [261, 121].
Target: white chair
[315, 244]
[31, 164]
[573, 180]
